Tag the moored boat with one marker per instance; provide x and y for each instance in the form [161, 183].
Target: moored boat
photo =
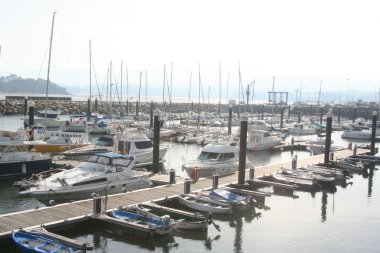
[158, 225]
[182, 219]
[203, 204]
[217, 158]
[38, 242]
[104, 173]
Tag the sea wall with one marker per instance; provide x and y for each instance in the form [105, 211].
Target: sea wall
[18, 107]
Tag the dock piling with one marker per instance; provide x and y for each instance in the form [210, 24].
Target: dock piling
[251, 173]
[215, 181]
[156, 140]
[243, 148]
[186, 186]
[172, 176]
[328, 137]
[31, 105]
[373, 136]
[97, 208]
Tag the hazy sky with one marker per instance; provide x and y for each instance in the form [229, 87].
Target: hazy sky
[313, 41]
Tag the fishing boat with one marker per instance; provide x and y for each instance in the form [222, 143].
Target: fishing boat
[136, 144]
[57, 142]
[17, 159]
[348, 164]
[105, 173]
[204, 204]
[301, 129]
[309, 175]
[42, 242]
[158, 225]
[238, 202]
[338, 174]
[356, 133]
[261, 140]
[220, 158]
[300, 183]
[182, 219]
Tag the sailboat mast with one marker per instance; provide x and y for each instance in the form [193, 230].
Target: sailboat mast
[90, 69]
[48, 70]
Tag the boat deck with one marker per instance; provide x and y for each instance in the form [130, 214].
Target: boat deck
[69, 213]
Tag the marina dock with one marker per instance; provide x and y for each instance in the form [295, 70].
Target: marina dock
[70, 213]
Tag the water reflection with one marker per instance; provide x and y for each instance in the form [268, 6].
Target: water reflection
[324, 207]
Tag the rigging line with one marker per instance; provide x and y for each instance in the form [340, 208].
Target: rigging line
[96, 79]
[64, 44]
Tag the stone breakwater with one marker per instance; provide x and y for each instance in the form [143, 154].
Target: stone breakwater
[17, 107]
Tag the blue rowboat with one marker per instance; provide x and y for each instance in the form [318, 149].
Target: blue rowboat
[36, 242]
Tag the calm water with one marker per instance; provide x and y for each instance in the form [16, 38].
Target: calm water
[347, 220]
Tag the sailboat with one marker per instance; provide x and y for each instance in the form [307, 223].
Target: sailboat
[48, 117]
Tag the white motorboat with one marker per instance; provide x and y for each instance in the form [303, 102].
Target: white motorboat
[136, 144]
[204, 204]
[261, 140]
[357, 133]
[258, 124]
[214, 158]
[16, 159]
[301, 129]
[105, 173]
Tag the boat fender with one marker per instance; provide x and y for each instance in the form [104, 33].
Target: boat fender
[30, 134]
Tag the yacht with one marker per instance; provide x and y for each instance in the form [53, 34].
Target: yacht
[261, 140]
[301, 129]
[356, 133]
[104, 173]
[16, 159]
[136, 144]
[220, 158]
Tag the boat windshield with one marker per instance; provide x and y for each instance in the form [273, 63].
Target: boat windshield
[208, 156]
[143, 144]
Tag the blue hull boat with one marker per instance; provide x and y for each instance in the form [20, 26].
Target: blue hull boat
[160, 225]
[35, 242]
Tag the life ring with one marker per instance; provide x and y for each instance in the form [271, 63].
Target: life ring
[119, 130]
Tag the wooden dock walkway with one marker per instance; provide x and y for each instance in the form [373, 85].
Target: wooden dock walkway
[69, 213]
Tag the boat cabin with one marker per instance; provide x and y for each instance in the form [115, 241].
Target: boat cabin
[215, 152]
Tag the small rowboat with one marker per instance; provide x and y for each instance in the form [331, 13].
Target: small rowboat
[41, 242]
[182, 219]
[204, 204]
[158, 225]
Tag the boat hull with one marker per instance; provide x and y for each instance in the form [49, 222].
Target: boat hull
[25, 168]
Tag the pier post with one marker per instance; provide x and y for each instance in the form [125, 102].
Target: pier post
[294, 162]
[299, 116]
[321, 116]
[186, 186]
[215, 180]
[172, 176]
[355, 149]
[262, 111]
[282, 118]
[251, 173]
[192, 109]
[243, 148]
[328, 137]
[373, 136]
[289, 111]
[97, 207]
[31, 105]
[229, 118]
[25, 105]
[137, 109]
[339, 112]
[127, 107]
[88, 108]
[156, 140]
[151, 114]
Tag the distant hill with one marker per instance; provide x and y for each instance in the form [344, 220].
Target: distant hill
[16, 84]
